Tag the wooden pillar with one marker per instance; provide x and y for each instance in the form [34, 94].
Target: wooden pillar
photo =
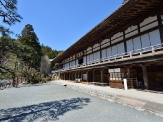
[75, 75]
[144, 68]
[72, 76]
[125, 45]
[61, 76]
[87, 75]
[64, 76]
[102, 75]
[69, 76]
[93, 75]
[81, 75]
[86, 57]
[108, 74]
[128, 72]
[100, 52]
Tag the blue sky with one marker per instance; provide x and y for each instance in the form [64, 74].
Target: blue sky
[60, 23]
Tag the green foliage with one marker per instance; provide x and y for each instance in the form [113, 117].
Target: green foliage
[28, 37]
[18, 58]
[46, 50]
[5, 75]
[35, 80]
[9, 14]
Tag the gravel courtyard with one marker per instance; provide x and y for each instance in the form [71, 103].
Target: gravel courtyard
[51, 102]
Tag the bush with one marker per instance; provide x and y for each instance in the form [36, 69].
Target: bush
[43, 80]
[35, 80]
[48, 78]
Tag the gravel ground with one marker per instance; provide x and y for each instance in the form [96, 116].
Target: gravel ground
[52, 102]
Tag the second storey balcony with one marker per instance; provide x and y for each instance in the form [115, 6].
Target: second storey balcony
[154, 52]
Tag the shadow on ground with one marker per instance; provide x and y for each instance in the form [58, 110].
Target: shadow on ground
[49, 111]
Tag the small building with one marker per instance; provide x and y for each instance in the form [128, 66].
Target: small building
[127, 44]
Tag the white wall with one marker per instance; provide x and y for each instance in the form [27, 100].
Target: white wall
[88, 58]
[114, 50]
[117, 37]
[117, 40]
[104, 53]
[137, 43]
[73, 63]
[109, 52]
[98, 55]
[121, 48]
[84, 76]
[129, 29]
[84, 59]
[70, 64]
[77, 62]
[155, 37]
[105, 43]
[94, 56]
[96, 47]
[145, 40]
[66, 65]
[91, 57]
[148, 20]
[154, 24]
[89, 50]
[111, 70]
[130, 46]
[128, 32]
[131, 34]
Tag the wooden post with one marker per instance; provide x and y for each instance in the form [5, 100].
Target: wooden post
[87, 75]
[93, 75]
[81, 75]
[72, 76]
[75, 75]
[69, 76]
[102, 75]
[64, 76]
[145, 76]
[125, 45]
[128, 72]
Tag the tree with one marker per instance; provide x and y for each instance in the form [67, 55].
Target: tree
[45, 65]
[18, 59]
[29, 37]
[9, 58]
[9, 14]
[46, 50]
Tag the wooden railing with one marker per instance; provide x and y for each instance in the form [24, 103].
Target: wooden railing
[146, 50]
[132, 83]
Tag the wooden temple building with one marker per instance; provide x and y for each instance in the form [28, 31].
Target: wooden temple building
[128, 44]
